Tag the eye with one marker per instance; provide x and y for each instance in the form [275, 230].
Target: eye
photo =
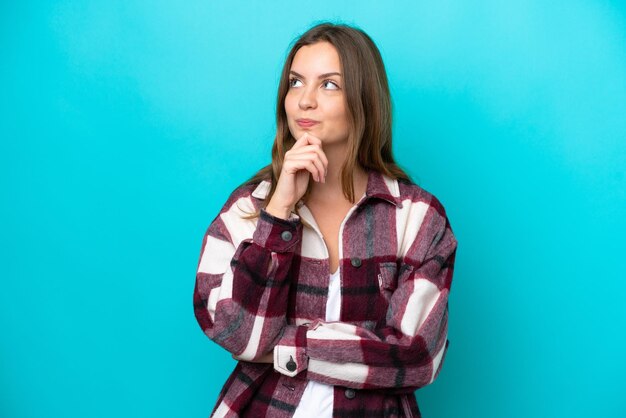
[293, 81]
[330, 85]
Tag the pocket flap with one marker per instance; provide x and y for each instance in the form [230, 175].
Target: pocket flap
[387, 275]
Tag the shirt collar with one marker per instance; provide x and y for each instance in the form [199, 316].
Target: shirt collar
[379, 186]
[261, 191]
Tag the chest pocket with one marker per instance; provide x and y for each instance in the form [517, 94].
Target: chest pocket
[387, 279]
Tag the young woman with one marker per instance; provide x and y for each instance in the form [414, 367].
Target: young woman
[327, 274]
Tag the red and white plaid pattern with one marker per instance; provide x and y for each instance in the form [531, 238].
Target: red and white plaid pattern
[262, 285]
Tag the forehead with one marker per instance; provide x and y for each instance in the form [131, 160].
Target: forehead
[317, 58]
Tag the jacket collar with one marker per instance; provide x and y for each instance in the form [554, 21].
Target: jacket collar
[379, 186]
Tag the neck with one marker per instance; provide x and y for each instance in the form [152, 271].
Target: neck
[332, 189]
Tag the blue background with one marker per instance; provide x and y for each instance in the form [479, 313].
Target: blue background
[126, 124]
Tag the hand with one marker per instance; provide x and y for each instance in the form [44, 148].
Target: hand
[266, 358]
[304, 159]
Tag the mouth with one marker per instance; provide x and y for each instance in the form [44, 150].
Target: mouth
[306, 123]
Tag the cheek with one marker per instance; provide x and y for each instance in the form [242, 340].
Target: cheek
[289, 105]
[340, 115]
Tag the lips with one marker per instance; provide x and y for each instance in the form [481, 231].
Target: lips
[306, 123]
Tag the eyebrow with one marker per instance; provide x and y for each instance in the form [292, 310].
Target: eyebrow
[321, 75]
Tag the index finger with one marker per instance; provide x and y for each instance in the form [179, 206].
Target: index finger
[306, 139]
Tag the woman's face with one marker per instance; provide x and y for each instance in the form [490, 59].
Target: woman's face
[315, 101]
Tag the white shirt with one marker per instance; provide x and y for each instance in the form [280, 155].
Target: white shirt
[317, 399]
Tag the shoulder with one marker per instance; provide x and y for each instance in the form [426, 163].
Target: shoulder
[413, 194]
[250, 194]
[424, 219]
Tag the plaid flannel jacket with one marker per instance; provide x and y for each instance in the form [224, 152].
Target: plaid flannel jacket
[262, 285]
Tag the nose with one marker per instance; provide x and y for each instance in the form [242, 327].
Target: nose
[308, 98]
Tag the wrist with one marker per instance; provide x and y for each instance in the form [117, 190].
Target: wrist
[279, 212]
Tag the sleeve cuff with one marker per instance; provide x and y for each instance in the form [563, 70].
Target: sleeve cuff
[290, 353]
[277, 234]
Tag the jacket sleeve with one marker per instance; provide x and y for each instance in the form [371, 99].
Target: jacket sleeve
[407, 351]
[241, 288]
